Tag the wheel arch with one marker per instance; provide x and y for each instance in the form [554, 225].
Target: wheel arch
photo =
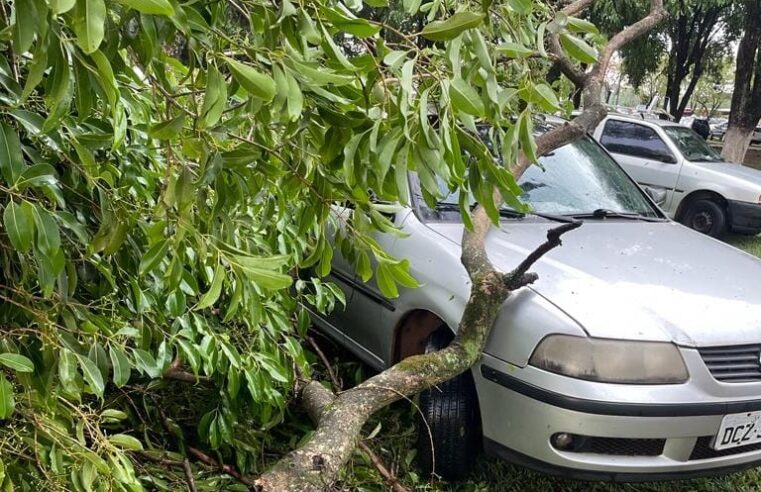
[412, 332]
[700, 195]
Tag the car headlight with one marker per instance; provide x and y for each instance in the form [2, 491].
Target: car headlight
[610, 361]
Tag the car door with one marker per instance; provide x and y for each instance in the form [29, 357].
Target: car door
[364, 327]
[644, 155]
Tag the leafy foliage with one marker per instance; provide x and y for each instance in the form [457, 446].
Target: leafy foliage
[169, 172]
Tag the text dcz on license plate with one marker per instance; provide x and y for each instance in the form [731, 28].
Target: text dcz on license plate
[739, 429]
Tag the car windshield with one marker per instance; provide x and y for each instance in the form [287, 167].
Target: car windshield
[578, 179]
[691, 145]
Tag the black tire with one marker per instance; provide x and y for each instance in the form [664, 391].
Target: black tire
[451, 413]
[706, 216]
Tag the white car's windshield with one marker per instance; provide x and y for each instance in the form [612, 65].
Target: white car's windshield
[690, 144]
[578, 179]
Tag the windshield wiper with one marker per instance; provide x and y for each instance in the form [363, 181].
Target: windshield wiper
[602, 213]
[508, 213]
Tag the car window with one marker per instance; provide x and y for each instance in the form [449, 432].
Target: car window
[691, 145]
[624, 137]
[577, 179]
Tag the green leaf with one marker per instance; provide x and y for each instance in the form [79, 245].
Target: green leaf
[48, 234]
[89, 19]
[546, 97]
[17, 362]
[92, 375]
[167, 130]
[19, 225]
[146, 363]
[523, 7]
[525, 132]
[515, 50]
[25, 25]
[211, 296]
[7, 404]
[452, 27]
[153, 257]
[214, 100]
[11, 159]
[386, 282]
[465, 98]
[580, 25]
[67, 370]
[126, 442]
[578, 48]
[152, 7]
[254, 82]
[61, 6]
[121, 366]
[295, 100]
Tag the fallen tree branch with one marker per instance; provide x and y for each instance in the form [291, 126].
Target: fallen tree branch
[321, 401]
[314, 466]
[340, 420]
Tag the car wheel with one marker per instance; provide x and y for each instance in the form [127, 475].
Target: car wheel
[706, 216]
[449, 433]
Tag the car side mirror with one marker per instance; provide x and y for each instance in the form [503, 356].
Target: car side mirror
[658, 195]
[667, 158]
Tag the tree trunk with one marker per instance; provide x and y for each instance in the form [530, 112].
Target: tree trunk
[746, 98]
[736, 142]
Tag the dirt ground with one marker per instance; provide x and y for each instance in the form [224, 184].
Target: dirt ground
[752, 158]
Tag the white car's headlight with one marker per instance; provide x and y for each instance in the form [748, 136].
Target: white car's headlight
[611, 361]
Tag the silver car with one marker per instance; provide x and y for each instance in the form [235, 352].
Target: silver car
[635, 356]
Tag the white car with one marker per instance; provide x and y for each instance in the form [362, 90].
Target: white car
[687, 178]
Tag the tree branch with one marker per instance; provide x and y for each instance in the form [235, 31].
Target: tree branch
[642, 26]
[316, 463]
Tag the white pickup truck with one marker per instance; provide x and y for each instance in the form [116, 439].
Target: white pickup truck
[687, 178]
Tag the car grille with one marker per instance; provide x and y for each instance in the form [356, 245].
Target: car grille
[733, 364]
[623, 447]
[704, 451]
[617, 446]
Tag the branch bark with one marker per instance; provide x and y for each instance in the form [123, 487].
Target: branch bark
[314, 466]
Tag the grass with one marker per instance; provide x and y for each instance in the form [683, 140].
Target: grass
[395, 443]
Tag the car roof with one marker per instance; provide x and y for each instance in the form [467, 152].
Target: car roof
[654, 121]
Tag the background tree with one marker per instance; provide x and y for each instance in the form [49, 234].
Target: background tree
[746, 98]
[714, 89]
[693, 38]
[168, 172]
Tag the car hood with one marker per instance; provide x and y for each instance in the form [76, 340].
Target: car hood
[639, 280]
[737, 171]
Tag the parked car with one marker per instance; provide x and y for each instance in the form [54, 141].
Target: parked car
[718, 130]
[697, 187]
[635, 356]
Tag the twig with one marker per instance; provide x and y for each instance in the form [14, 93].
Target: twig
[520, 276]
[188, 377]
[189, 476]
[385, 472]
[337, 383]
[208, 460]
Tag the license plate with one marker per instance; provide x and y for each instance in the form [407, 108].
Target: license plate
[738, 429]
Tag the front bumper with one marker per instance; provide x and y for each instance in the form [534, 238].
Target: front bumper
[631, 441]
[745, 217]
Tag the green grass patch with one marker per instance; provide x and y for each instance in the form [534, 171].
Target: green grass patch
[751, 244]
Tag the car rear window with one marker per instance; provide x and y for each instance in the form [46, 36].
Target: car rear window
[624, 137]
